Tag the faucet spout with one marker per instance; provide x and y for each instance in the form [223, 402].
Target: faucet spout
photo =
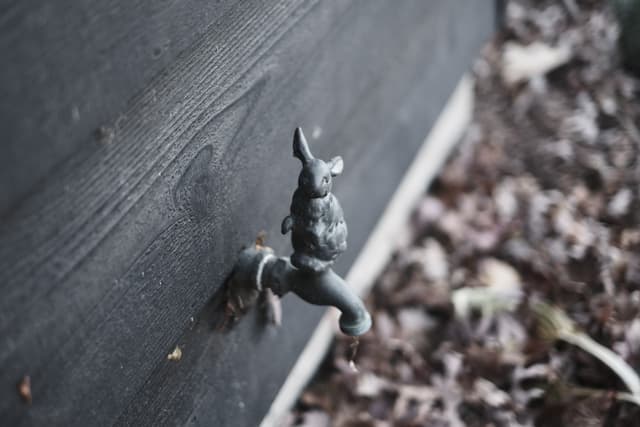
[258, 269]
[318, 288]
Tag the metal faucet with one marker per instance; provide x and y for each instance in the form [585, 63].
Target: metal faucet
[318, 236]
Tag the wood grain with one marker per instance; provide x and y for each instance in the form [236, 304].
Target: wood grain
[118, 255]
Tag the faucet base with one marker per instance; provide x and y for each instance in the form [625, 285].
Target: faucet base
[243, 285]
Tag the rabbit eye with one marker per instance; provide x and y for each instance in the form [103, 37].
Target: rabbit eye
[325, 180]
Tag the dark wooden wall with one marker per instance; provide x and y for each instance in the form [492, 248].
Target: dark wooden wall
[114, 244]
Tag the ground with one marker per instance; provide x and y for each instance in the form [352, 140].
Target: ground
[518, 302]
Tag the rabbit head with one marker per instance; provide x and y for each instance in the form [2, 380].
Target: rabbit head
[315, 179]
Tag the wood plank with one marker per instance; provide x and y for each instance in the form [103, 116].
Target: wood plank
[120, 255]
[69, 69]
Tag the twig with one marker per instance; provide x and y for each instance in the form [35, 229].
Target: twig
[556, 325]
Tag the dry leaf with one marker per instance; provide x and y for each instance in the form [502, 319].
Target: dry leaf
[521, 63]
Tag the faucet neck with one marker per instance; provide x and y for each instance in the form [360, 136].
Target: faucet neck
[319, 288]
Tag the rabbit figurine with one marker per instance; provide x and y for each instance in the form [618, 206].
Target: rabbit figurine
[319, 232]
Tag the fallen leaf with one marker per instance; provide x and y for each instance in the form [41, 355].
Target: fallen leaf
[490, 394]
[498, 274]
[620, 203]
[521, 63]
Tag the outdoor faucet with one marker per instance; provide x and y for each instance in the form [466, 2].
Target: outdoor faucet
[318, 236]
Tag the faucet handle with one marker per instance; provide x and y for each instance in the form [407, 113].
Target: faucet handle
[316, 220]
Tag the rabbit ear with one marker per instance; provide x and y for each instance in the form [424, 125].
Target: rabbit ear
[336, 165]
[301, 147]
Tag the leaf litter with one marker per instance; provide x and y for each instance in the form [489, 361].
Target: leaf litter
[518, 301]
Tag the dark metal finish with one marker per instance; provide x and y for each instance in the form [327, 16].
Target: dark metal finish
[318, 230]
[318, 235]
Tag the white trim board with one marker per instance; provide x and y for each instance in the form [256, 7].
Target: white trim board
[390, 232]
